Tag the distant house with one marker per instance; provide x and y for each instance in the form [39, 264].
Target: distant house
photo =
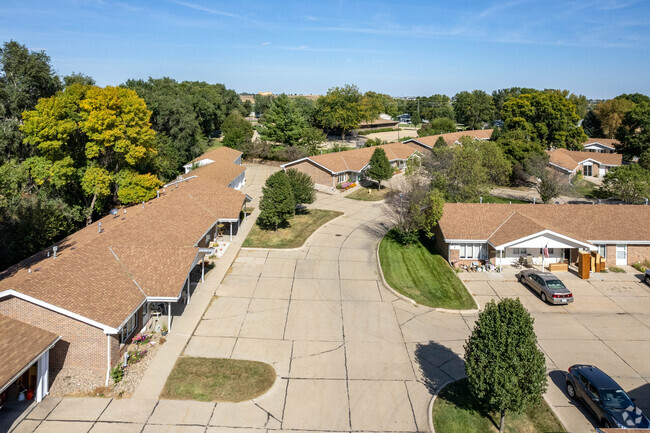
[378, 123]
[600, 145]
[451, 138]
[349, 166]
[234, 172]
[97, 288]
[502, 233]
[591, 164]
[404, 118]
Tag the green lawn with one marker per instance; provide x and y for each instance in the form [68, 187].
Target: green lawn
[582, 188]
[369, 194]
[419, 272]
[215, 379]
[294, 235]
[456, 411]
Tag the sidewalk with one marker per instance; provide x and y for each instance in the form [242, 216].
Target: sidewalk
[183, 327]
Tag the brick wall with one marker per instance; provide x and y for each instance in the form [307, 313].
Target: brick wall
[637, 253]
[81, 346]
[440, 243]
[610, 259]
[317, 174]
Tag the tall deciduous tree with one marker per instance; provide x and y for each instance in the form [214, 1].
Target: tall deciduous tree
[610, 113]
[505, 369]
[379, 167]
[634, 132]
[474, 109]
[283, 123]
[341, 109]
[547, 117]
[551, 184]
[436, 107]
[278, 203]
[236, 130]
[440, 125]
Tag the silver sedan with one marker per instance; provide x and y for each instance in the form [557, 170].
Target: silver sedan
[549, 287]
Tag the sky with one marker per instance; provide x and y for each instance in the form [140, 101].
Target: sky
[599, 48]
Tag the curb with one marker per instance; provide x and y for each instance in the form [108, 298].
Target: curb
[433, 399]
[407, 299]
[303, 244]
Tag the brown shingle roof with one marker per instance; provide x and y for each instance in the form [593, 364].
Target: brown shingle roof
[473, 221]
[453, 137]
[607, 142]
[570, 159]
[379, 122]
[357, 159]
[220, 154]
[146, 251]
[20, 345]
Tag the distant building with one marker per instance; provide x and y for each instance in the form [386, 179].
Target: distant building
[404, 118]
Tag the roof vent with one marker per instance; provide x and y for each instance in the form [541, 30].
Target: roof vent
[158, 194]
[114, 212]
[99, 230]
[29, 271]
[54, 250]
[142, 205]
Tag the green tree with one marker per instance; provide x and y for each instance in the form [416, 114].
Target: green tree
[546, 117]
[278, 203]
[436, 107]
[415, 119]
[630, 183]
[379, 168]
[474, 109]
[236, 130]
[501, 96]
[440, 142]
[610, 113]
[644, 159]
[634, 132]
[282, 122]
[637, 98]
[302, 187]
[505, 369]
[262, 104]
[592, 125]
[310, 139]
[341, 109]
[78, 78]
[551, 184]
[497, 166]
[25, 77]
[441, 125]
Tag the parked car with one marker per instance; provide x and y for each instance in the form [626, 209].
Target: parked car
[647, 276]
[604, 398]
[549, 287]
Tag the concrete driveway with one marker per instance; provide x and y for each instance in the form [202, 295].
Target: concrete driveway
[608, 325]
[349, 355]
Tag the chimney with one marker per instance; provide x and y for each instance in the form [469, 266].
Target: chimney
[54, 250]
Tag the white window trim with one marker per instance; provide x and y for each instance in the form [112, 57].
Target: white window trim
[482, 250]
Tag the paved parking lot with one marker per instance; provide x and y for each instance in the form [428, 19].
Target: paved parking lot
[350, 356]
[608, 325]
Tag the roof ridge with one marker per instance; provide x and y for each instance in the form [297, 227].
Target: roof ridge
[497, 229]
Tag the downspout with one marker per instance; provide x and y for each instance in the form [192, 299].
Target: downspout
[108, 358]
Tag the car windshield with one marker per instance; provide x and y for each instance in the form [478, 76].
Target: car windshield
[615, 399]
[555, 285]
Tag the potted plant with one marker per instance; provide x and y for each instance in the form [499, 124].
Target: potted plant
[163, 330]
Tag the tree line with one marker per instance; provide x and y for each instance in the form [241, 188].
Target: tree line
[70, 150]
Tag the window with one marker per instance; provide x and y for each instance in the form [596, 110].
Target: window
[341, 177]
[587, 170]
[521, 251]
[128, 328]
[602, 250]
[550, 251]
[473, 251]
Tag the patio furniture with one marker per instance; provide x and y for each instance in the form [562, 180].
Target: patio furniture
[529, 261]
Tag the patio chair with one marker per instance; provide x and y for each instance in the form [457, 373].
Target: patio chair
[529, 261]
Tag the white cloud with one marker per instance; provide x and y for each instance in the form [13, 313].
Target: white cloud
[265, 44]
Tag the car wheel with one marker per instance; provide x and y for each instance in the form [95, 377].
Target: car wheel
[647, 280]
[521, 279]
[570, 390]
[544, 297]
[607, 424]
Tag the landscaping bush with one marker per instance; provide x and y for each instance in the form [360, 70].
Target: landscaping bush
[117, 374]
[142, 339]
[136, 356]
[374, 131]
[616, 270]
[641, 266]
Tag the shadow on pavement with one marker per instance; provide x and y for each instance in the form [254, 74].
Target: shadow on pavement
[438, 365]
[558, 379]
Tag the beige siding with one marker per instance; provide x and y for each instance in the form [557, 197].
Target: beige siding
[318, 175]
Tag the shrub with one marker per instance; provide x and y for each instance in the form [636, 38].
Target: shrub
[375, 131]
[136, 356]
[117, 374]
[641, 266]
[616, 269]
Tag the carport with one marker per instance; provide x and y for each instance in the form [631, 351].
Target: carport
[25, 359]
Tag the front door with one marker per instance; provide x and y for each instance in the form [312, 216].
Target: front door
[586, 170]
[621, 255]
